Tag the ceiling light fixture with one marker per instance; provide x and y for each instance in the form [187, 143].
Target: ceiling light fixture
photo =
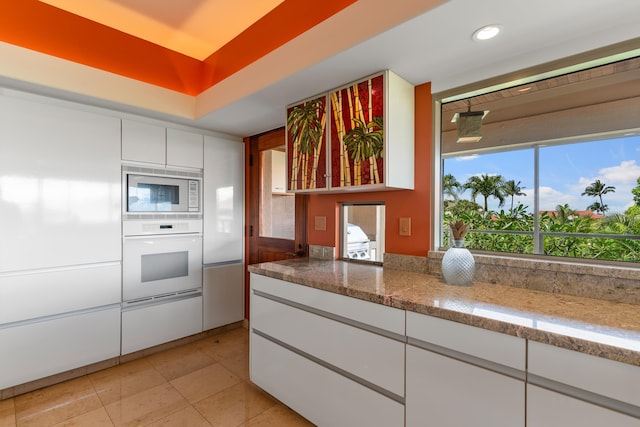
[469, 125]
[487, 32]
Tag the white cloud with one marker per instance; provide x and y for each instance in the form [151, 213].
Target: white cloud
[627, 172]
[550, 198]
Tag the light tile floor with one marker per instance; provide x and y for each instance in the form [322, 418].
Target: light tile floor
[204, 383]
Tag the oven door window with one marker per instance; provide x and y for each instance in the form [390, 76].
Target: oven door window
[164, 266]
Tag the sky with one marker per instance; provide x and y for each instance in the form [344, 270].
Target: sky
[565, 172]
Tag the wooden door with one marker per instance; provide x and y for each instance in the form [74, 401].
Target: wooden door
[264, 242]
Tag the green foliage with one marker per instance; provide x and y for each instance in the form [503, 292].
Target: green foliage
[636, 193]
[365, 140]
[598, 189]
[305, 125]
[519, 225]
[487, 186]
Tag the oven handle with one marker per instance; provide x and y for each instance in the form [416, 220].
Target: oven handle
[164, 236]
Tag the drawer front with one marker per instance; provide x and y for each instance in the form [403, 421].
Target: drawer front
[549, 409]
[604, 377]
[447, 392]
[322, 396]
[369, 356]
[51, 292]
[37, 350]
[492, 346]
[148, 326]
[376, 315]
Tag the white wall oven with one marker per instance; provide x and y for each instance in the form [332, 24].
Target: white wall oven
[161, 256]
[161, 266]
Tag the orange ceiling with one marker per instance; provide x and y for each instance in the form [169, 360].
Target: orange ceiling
[38, 26]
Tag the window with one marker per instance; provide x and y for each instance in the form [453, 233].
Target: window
[556, 171]
[362, 231]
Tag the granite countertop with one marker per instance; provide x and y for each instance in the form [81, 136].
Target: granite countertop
[597, 327]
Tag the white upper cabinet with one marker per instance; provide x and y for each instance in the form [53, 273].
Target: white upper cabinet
[223, 200]
[150, 143]
[184, 148]
[359, 137]
[143, 142]
[60, 201]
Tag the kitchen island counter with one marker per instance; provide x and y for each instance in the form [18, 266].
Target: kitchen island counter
[600, 328]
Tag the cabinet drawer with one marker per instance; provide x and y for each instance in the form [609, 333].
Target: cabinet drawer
[493, 346]
[39, 349]
[152, 325]
[366, 355]
[604, 377]
[550, 409]
[447, 392]
[375, 315]
[317, 393]
[46, 293]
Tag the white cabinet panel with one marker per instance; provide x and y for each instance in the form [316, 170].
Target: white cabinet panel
[445, 392]
[223, 197]
[500, 348]
[376, 315]
[317, 393]
[40, 349]
[369, 356]
[223, 295]
[143, 142]
[184, 148]
[605, 377]
[549, 409]
[152, 325]
[44, 293]
[60, 200]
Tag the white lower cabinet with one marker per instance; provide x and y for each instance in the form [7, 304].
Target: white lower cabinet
[442, 391]
[40, 348]
[483, 386]
[547, 408]
[314, 351]
[321, 395]
[572, 388]
[147, 326]
[340, 361]
[222, 295]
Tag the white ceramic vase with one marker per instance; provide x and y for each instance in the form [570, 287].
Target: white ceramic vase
[458, 265]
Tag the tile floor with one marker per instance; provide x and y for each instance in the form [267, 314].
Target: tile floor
[204, 383]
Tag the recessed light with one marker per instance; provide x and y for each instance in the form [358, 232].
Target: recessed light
[487, 32]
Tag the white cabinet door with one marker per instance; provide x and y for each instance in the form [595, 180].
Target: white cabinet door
[184, 149]
[42, 348]
[143, 142]
[445, 392]
[223, 295]
[550, 409]
[60, 201]
[157, 324]
[223, 200]
[323, 396]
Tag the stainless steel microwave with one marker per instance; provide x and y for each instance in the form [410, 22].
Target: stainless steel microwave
[161, 191]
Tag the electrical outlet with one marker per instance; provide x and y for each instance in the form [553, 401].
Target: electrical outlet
[405, 226]
[320, 223]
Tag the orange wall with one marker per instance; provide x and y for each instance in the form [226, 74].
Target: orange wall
[415, 204]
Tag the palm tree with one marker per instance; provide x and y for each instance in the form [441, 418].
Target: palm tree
[450, 186]
[597, 189]
[487, 186]
[305, 124]
[512, 189]
[364, 141]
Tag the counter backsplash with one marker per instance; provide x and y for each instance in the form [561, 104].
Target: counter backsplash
[611, 283]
